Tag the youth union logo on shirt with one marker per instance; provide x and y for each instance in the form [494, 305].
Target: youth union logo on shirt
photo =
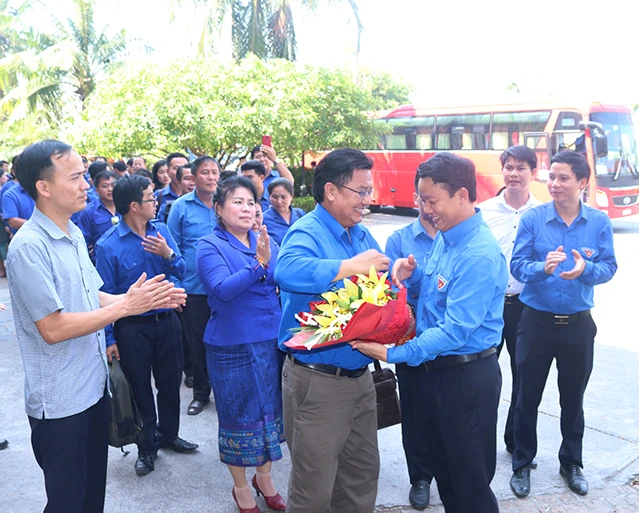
[589, 252]
[441, 282]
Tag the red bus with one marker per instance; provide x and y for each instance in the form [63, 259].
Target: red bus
[603, 133]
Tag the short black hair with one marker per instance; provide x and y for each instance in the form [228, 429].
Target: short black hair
[180, 171]
[3, 162]
[139, 157]
[174, 155]
[575, 160]
[35, 163]
[228, 187]
[101, 157]
[337, 168]
[520, 153]
[129, 162]
[254, 165]
[119, 166]
[129, 189]
[104, 175]
[450, 171]
[227, 173]
[281, 182]
[144, 172]
[97, 167]
[255, 150]
[200, 161]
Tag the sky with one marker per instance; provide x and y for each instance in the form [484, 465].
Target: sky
[450, 51]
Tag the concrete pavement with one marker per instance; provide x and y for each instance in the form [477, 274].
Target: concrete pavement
[199, 482]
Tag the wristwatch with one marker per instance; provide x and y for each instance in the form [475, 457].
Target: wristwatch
[275, 162]
[171, 256]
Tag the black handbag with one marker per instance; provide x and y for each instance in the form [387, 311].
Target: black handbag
[388, 409]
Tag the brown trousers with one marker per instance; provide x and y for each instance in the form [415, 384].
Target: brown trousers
[331, 430]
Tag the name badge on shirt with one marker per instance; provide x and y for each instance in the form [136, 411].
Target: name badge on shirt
[588, 252]
[441, 282]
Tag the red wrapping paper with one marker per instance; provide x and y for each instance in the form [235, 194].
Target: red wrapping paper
[393, 323]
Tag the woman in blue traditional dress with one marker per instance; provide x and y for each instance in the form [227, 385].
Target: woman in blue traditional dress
[237, 266]
[281, 216]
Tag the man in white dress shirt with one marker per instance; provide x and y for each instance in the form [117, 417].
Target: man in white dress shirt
[502, 214]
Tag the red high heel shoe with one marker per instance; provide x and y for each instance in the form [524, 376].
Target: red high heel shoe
[275, 502]
[244, 510]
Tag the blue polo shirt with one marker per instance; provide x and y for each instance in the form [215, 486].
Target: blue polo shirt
[410, 240]
[311, 255]
[235, 285]
[541, 230]
[16, 202]
[277, 225]
[95, 221]
[189, 221]
[5, 188]
[461, 299]
[272, 176]
[121, 259]
[92, 196]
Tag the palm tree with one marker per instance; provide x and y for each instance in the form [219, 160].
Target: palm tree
[39, 72]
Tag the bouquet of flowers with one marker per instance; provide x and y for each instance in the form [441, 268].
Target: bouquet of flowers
[365, 308]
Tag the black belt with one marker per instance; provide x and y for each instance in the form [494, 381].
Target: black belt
[330, 369]
[559, 319]
[511, 299]
[147, 318]
[443, 362]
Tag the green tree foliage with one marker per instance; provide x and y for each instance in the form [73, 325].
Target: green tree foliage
[39, 71]
[223, 109]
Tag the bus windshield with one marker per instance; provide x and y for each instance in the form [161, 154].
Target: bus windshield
[622, 145]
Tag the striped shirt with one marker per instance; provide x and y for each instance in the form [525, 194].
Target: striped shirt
[49, 271]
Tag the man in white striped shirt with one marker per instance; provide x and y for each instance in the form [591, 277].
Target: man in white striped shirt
[502, 214]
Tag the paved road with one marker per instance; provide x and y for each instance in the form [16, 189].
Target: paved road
[199, 482]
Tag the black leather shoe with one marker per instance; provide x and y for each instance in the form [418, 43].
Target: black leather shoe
[575, 478]
[188, 382]
[419, 495]
[177, 445]
[196, 407]
[144, 464]
[520, 482]
[4, 444]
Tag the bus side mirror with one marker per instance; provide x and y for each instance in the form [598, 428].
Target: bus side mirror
[601, 144]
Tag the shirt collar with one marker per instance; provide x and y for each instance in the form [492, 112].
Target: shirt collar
[456, 233]
[233, 241]
[49, 226]
[334, 227]
[124, 229]
[551, 213]
[192, 196]
[417, 229]
[529, 202]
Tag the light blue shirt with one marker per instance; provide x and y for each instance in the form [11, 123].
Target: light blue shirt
[461, 299]
[189, 221]
[310, 258]
[277, 225]
[410, 240]
[541, 230]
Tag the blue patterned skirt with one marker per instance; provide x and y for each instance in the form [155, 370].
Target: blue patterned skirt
[246, 382]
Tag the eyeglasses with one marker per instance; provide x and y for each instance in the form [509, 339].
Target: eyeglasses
[148, 201]
[363, 193]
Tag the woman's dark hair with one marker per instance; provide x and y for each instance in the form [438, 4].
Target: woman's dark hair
[200, 161]
[451, 172]
[103, 175]
[337, 168]
[576, 161]
[228, 187]
[129, 189]
[35, 163]
[154, 171]
[281, 182]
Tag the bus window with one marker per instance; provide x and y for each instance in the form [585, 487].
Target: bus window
[568, 121]
[424, 132]
[508, 126]
[399, 138]
[464, 132]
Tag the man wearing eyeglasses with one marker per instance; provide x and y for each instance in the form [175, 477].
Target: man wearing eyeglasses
[151, 342]
[330, 407]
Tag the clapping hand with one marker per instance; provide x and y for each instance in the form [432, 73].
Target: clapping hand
[403, 269]
[145, 295]
[263, 250]
[553, 259]
[575, 272]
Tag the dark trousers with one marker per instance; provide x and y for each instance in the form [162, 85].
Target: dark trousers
[512, 314]
[72, 452]
[572, 345]
[146, 345]
[196, 314]
[460, 436]
[411, 398]
[186, 350]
